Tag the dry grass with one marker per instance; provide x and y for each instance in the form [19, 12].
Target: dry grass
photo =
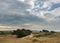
[12, 39]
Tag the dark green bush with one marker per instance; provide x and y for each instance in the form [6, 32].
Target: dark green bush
[52, 31]
[45, 31]
[5, 32]
[21, 33]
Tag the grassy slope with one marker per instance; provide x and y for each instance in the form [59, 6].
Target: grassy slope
[12, 39]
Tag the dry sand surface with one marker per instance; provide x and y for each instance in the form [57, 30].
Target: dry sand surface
[29, 39]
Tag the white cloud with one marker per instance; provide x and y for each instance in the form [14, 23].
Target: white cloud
[47, 5]
[30, 2]
[56, 12]
[56, 1]
[21, 0]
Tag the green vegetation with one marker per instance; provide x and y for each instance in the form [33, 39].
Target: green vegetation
[21, 33]
[5, 32]
[44, 33]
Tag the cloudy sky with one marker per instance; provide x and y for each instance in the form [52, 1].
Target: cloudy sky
[31, 14]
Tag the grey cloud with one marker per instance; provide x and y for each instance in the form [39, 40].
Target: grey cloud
[48, 15]
[58, 16]
[13, 6]
[18, 19]
[13, 12]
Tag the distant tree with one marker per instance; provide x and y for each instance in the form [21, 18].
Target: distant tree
[45, 31]
[52, 31]
[14, 32]
[40, 31]
[2, 33]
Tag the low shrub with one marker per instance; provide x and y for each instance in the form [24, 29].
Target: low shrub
[21, 33]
